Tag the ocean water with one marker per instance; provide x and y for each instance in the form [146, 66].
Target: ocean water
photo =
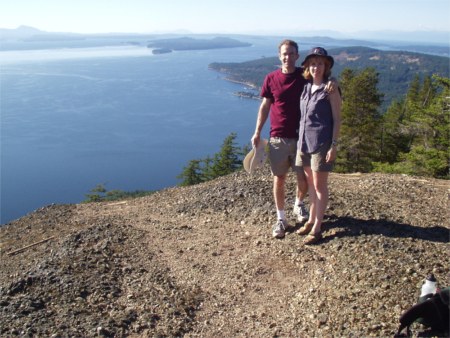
[120, 116]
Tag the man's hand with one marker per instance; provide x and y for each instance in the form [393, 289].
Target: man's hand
[255, 140]
[332, 85]
[263, 114]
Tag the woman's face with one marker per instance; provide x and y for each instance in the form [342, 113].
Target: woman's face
[317, 67]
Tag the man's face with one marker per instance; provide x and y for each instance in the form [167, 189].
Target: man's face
[288, 56]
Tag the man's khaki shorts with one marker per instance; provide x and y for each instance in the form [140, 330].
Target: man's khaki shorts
[282, 152]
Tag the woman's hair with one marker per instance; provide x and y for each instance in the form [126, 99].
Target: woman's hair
[326, 74]
[288, 43]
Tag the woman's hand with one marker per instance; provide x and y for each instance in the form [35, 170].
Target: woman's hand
[331, 154]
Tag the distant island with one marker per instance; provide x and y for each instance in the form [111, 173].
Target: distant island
[162, 46]
[161, 51]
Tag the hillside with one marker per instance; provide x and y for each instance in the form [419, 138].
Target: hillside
[396, 68]
[200, 261]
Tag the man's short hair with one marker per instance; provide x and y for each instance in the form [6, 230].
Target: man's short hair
[288, 43]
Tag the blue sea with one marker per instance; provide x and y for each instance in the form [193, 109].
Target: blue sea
[72, 118]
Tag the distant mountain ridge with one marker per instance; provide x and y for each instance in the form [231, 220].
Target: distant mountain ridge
[19, 32]
[417, 36]
[420, 40]
[27, 33]
[396, 68]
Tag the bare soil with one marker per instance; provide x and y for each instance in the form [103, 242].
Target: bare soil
[200, 261]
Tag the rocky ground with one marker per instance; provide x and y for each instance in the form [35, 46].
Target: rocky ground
[200, 262]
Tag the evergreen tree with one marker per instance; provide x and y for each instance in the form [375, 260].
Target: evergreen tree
[427, 91]
[412, 96]
[208, 172]
[227, 160]
[191, 174]
[424, 129]
[439, 111]
[418, 98]
[429, 150]
[360, 131]
[401, 125]
[394, 138]
[426, 117]
[97, 193]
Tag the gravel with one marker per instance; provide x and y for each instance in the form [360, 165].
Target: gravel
[200, 261]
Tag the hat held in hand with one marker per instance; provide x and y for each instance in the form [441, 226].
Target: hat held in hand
[256, 157]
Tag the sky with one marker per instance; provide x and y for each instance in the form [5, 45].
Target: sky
[230, 16]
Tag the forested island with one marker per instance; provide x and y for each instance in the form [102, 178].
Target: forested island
[185, 43]
[395, 69]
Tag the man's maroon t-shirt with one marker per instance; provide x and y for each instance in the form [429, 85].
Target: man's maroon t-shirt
[284, 90]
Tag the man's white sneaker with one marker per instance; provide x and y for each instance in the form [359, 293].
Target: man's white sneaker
[279, 228]
[301, 212]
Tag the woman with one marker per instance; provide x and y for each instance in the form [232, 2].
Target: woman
[318, 137]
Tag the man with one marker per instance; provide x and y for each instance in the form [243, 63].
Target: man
[281, 98]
